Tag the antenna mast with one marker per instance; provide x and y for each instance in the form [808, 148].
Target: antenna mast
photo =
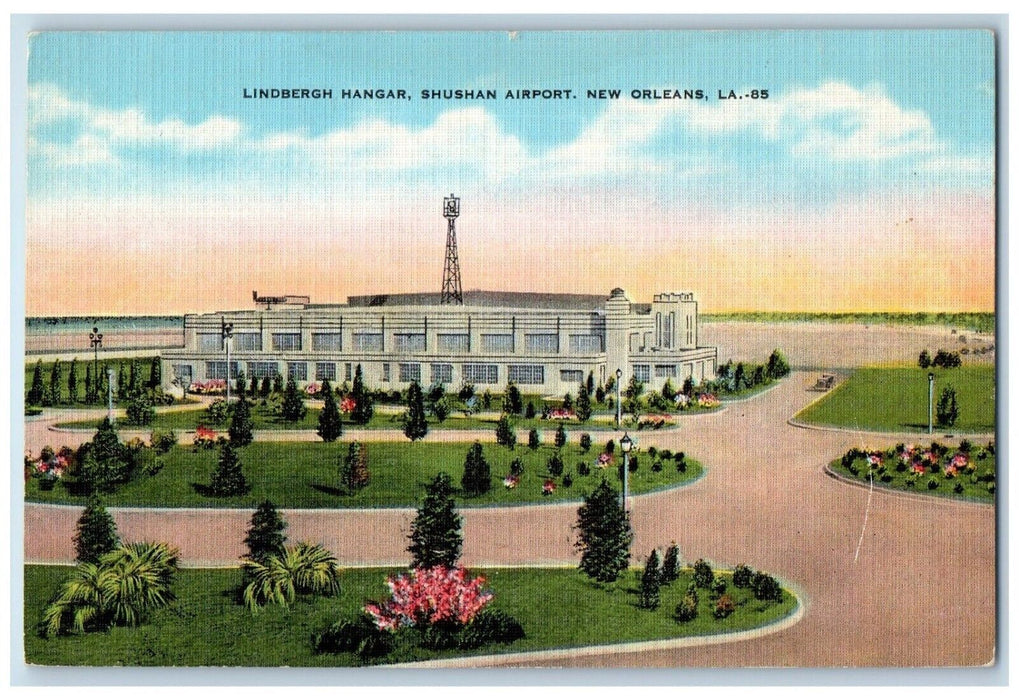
[452, 293]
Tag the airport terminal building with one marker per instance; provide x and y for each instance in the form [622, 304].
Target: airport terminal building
[544, 343]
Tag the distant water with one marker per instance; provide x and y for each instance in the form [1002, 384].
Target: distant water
[43, 325]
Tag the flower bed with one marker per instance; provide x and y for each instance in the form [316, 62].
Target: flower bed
[967, 471]
[209, 387]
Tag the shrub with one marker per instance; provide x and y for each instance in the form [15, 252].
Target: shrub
[477, 476]
[610, 447]
[293, 408]
[363, 408]
[140, 412]
[517, 466]
[585, 442]
[265, 536]
[534, 439]
[991, 488]
[657, 466]
[724, 607]
[650, 583]
[163, 442]
[925, 359]
[766, 587]
[529, 412]
[778, 367]
[958, 488]
[359, 635]
[96, 533]
[354, 474]
[567, 480]
[504, 433]
[933, 484]
[415, 425]
[583, 468]
[490, 627]
[671, 564]
[154, 467]
[228, 478]
[304, 569]
[886, 477]
[718, 586]
[603, 534]
[241, 430]
[435, 535]
[687, 608]
[560, 437]
[217, 412]
[513, 402]
[434, 597]
[910, 482]
[947, 410]
[702, 574]
[742, 576]
[965, 446]
[330, 423]
[554, 465]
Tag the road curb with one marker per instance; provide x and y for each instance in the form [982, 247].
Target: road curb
[891, 435]
[905, 494]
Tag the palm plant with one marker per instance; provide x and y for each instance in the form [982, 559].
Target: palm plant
[304, 569]
[121, 589]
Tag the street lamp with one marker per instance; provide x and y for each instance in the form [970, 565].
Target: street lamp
[95, 339]
[619, 407]
[626, 444]
[930, 403]
[228, 334]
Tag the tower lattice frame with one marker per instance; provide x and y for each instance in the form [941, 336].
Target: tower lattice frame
[452, 291]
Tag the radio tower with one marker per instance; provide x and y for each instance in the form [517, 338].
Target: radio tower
[452, 293]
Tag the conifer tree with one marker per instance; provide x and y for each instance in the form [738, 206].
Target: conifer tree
[533, 439]
[650, 583]
[363, 409]
[583, 409]
[96, 533]
[416, 425]
[241, 430]
[590, 384]
[241, 386]
[603, 534]
[266, 387]
[778, 367]
[560, 436]
[155, 373]
[330, 424]
[72, 382]
[436, 534]
[35, 393]
[514, 402]
[293, 405]
[277, 383]
[55, 393]
[265, 536]
[133, 377]
[671, 564]
[477, 478]
[90, 395]
[253, 386]
[228, 477]
[504, 433]
[354, 473]
[121, 381]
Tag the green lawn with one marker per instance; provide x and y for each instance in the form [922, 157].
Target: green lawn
[979, 485]
[207, 627]
[304, 475]
[895, 400]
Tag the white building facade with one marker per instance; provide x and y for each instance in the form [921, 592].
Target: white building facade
[545, 344]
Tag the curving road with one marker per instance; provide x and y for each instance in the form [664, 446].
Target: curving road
[920, 593]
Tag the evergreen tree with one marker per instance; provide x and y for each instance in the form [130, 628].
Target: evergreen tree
[778, 367]
[265, 536]
[121, 381]
[293, 405]
[241, 425]
[739, 379]
[585, 442]
[688, 386]
[604, 534]
[504, 433]
[90, 395]
[133, 379]
[228, 477]
[72, 382]
[103, 462]
[96, 533]
[758, 377]
[55, 393]
[241, 387]
[599, 394]
[560, 437]
[277, 383]
[35, 393]
[330, 424]
[671, 564]
[415, 426]
[477, 478]
[253, 387]
[266, 387]
[514, 402]
[583, 405]
[436, 535]
[354, 473]
[568, 401]
[363, 409]
[555, 465]
[590, 384]
[534, 439]
[529, 411]
[155, 374]
[650, 583]
[948, 407]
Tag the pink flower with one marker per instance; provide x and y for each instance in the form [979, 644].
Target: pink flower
[548, 487]
[874, 460]
[312, 389]
[918, 468]
[348, 404]
[427, 596]
[604, 459]
[511, 481]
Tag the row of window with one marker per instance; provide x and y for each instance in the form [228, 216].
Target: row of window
[536, 343]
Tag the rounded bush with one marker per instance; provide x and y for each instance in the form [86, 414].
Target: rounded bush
[703, 576]
[724, 607]
[742, 575]
[490, 627]
[687, 609]
[932, 484]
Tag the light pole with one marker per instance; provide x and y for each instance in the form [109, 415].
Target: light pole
[930, 403]
[228, 334]
[109, 392]
[619, 406]
[626, 444]
[95, 339]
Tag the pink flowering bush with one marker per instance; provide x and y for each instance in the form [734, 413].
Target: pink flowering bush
[511, 481]
[561, 414]
[50, 466]
[210, 386]
[707, 400]
[312, 389]
[425, 597]
[205, 437]
[548, 488]
[347, 405]
[604, 460]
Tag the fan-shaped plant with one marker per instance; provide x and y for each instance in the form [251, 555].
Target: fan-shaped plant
[304, 569]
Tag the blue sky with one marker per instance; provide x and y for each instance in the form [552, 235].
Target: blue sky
[861, 130]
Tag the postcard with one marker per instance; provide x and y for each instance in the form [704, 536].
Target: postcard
[462, 349]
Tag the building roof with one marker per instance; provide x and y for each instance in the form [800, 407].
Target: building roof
[476, 297]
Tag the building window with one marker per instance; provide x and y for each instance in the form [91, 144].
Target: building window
[665, 371]
[385, 371]
[368, 342]
[547, 343]
[286, 341]
[325, 370]
[642, 373]
[217, 370]
[442, 373]
[497, 342]
[249, 342]
[526, 374]
[209, 342]
[298, 371]
[184, 374]
[571, 376]
[585, 344]
[481, 374]
[347, 372]
[260, 370]
[454, 342]
[409, 342]
[410, 372]
[327, 341]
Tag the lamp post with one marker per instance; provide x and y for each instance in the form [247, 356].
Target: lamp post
[95, 339]
[228, 334]
[109, 393]
[619, 406]
[930, 403]
[626, 444]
